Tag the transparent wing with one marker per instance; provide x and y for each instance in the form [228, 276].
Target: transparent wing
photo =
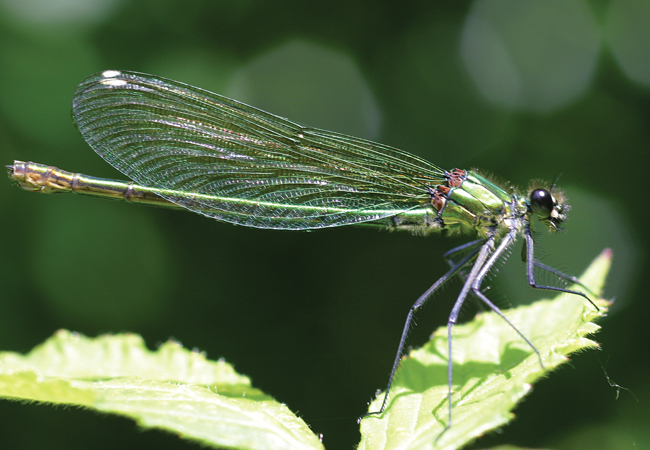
[236, 163]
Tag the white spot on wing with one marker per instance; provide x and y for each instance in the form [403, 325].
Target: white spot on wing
[111, 79]
[113, 82]
[111, 73]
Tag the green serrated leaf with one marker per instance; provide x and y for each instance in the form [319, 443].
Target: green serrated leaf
[171, 388]
[184, 393]
[512, 447]
[493, 369]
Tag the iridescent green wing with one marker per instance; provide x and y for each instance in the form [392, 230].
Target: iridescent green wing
[236, 163]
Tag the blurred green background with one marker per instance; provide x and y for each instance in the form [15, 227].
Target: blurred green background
[521, 89]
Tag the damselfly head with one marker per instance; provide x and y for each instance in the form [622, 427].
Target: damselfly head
[550, 209]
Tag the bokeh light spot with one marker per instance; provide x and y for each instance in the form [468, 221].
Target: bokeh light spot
[60, 12]
[505, 43]
[309, 84]
[101, 264]
[628, 34]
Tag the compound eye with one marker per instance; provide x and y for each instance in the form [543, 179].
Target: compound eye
[542, 202]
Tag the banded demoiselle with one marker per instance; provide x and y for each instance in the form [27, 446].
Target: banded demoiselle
[188, 148]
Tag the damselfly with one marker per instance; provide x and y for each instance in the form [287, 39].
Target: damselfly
[188, 148]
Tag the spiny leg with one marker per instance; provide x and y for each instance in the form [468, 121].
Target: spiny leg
[530, 270]
[476, 287]
[480, 270]
[470, 245]
[455, 252]
[481, 260]
[420, 302]
[564, 276]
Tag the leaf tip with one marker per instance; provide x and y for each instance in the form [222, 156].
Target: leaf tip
[607, 254]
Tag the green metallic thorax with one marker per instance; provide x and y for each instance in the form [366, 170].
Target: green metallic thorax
[480, 205]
